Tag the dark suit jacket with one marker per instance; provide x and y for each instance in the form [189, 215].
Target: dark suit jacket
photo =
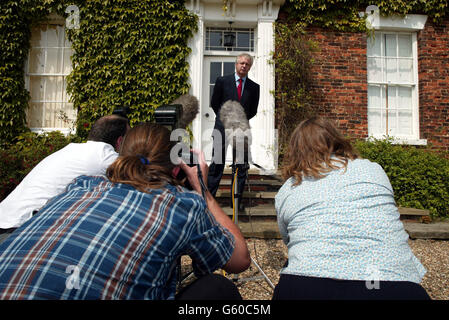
[225, 89]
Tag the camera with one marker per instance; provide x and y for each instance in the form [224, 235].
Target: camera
[123, 112]
[169, 116]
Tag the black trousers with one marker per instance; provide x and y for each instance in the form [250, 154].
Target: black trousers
[210, 287]
[293, 287]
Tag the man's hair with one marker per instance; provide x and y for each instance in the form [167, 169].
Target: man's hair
[108, 129]
[246, 55]
[316, 147]
[144, 158]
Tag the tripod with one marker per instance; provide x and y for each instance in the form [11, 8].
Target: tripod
[235, 205]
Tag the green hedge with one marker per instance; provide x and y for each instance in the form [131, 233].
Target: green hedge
[419, 177]
[18, 160]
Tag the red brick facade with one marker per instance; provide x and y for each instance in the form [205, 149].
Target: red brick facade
[339, 81]
[433, 68]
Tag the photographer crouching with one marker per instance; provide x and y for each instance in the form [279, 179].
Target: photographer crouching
[121, 237]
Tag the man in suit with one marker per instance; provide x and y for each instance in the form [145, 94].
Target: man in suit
[237, 87]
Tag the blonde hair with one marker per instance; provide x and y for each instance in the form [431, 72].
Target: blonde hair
[316, 147]
[144, 158]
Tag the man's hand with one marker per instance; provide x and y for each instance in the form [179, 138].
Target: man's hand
[192, 172]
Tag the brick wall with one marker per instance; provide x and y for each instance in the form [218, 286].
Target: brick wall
[433, 68]
[339, 85]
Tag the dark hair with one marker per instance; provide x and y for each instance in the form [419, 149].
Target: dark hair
[144, 158]
[316, 147]
[108, 129]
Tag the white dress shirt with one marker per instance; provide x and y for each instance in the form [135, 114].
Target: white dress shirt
[51, 176]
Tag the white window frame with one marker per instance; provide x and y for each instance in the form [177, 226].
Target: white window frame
[409, 24]
[52, 20]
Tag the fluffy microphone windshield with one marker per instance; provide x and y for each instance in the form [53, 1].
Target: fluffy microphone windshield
[190, 108]
[233, 116]
[237, 130]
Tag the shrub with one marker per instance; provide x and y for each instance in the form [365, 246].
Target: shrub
[18, 160]
[419, 177]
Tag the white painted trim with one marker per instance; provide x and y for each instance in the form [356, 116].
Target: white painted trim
[399, 140]
[395, 140]
[64, 131]
[410, 22]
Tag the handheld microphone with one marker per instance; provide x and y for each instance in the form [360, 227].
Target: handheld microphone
[237, 130]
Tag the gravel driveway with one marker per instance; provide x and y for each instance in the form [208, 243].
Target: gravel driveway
[271, 255]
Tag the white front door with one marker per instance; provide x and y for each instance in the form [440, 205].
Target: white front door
[214, 67]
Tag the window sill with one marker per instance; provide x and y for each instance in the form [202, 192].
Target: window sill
[64, 131]
[396, 140]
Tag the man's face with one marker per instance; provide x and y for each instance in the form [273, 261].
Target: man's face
[242, 66]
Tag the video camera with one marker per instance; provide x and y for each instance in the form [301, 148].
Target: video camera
[169, 116]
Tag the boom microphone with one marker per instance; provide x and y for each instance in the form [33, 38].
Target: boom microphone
[236, 126]
[190, 108]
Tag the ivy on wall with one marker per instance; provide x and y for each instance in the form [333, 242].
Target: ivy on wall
[128, 53]
[343, 15]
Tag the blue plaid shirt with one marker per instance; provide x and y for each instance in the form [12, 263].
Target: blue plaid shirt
[100, 240]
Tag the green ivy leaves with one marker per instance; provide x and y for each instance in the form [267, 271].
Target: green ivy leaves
[126, 53]
[343, 15]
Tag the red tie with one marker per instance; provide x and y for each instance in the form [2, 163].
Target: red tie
[239, 89]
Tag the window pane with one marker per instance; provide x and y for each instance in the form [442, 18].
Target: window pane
[406, 70]
[67, 61]
[36, 88]
[34, 115]
[53, 89]
[374, 69]
[374, 97]
[391, 70]
[215, 71]
[374, 122]
[52, 113]
[405, 98]
[55, 36]
[373, 46]
[405, 122]
[36, 61]
[228, 68]
[405, 45]
[390, 45]
[215, 39]
[54, 61]
[243, 39]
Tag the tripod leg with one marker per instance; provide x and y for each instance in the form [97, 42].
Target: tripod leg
[263, 273]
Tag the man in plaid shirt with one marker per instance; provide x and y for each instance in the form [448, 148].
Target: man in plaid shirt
[105, 239]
